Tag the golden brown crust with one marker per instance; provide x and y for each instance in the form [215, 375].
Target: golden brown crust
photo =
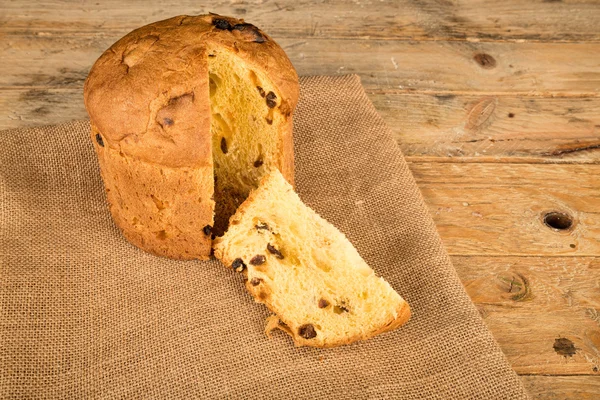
[287, 167]
[274, 322]
[148, 100]
[403, 315]
[144, 201]
[137, 82]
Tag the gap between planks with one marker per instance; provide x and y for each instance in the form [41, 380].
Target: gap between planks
[524, 256]
[374, 91]
[556, 95]
[355, 38]
[513, 160]
[560, 374]
[553, 387]
[285, 36]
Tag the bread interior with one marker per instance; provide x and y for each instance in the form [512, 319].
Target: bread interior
[311, 273]
[244, 128]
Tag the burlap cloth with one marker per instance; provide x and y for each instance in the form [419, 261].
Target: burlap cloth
[86, 314]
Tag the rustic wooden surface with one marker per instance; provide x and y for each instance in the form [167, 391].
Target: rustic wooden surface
[496, 106]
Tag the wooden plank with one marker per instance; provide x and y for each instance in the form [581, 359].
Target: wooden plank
[544, 312]
[427, 127]
[512, 20]
[498, 209]
[34, 107]
[493, 127]
[562, 387]
[528, 69]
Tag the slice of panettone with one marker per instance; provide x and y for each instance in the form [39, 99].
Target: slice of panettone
[306, 271]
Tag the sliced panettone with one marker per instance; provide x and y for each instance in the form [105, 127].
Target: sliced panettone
[306, 271]
[187, 115]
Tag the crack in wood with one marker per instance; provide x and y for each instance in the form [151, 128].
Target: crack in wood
[571, 151]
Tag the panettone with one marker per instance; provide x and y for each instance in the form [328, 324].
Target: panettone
[306, 271]
[187, 115]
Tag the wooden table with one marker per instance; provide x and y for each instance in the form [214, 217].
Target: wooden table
[496, 107]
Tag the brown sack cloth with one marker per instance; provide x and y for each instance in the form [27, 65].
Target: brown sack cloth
[84, 314]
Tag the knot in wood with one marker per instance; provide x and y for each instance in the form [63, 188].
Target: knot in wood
[485, 60]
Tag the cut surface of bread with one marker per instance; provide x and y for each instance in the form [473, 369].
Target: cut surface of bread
[202, 98]
[245, 130]
[306, 271]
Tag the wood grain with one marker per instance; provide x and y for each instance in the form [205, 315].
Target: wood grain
[34, 107]
[498, 209]
[492, 127]
[527, 69]
[511, 20]
[562, 387]
[530, 302]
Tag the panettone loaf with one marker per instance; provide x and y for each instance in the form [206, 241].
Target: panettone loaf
[306, 271]
[187, 114]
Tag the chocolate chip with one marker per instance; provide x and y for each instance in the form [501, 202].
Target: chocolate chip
[261, 91]
[207, 229]
[224, 145]
[307, 331]
[212, 55]
[273, 250]
[168, 121]
[221, 24]
[323, 303]
[271, 97]
[258, 259]
[99, 140]
[269, 121]
[262, 225]
[238, 265]
[258, 162]
[255, 281]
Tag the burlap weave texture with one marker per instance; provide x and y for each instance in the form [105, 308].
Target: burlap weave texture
[84, 314]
